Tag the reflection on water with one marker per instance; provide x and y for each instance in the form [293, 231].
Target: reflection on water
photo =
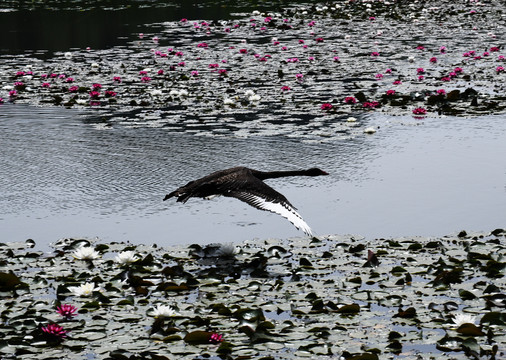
[61, 25]
[62, 177]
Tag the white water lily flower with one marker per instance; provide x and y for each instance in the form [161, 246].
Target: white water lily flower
[351, 119]
[126, 257]
[156, 92]
[84, 290]
[86, 253]
[162, 311]
[254, 98]
[228, 101]
[369, 130]
[460, 319]
[249, 92]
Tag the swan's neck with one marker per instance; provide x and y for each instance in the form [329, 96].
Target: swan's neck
[277, 174]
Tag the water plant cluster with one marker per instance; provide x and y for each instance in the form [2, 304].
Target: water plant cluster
[303, 69]
[336, 297]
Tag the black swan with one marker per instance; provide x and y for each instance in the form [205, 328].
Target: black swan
[247, 185]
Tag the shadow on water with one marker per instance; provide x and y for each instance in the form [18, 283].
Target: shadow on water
[61, 176]
[51, 26]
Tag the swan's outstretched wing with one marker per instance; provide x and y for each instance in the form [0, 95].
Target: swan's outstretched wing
[263, 197]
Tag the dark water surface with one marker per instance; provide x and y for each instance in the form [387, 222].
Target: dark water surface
[50, 26]
[63, 175]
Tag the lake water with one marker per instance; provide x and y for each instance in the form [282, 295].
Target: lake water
[62, 175]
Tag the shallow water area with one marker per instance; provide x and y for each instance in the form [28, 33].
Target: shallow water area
[65, 175]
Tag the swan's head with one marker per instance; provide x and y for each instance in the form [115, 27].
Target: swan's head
[315, 172]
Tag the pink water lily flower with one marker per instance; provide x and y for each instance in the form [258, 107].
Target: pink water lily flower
[350, 100]
[371, 104]
[215, 338]
[326, 106]
[419, 111]
[390, 92]
[66, 310]
[55, 331]
[94, 94]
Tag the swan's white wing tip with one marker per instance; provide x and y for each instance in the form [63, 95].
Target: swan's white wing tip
[283, 209]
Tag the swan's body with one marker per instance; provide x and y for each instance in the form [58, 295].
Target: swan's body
[247, 185]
